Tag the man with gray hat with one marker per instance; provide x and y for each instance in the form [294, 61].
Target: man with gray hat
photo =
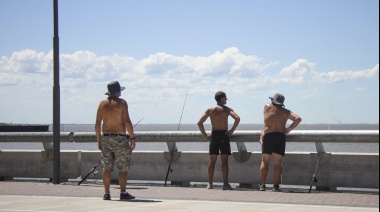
[273, 138]
[112, 120]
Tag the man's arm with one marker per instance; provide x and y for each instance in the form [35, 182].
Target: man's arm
[200, 124]
[128, 124]
[261, 136]
[296, 120]
[236, 122]
[266, 106]
[98, 123]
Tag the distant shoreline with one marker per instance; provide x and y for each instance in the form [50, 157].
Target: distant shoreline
[23, 127]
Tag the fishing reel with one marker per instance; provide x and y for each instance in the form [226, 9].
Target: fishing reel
[314, 179]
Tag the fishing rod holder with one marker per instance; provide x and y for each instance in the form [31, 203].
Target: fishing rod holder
[242, 155]
[321, 157]
[47, 154]
[173, 152]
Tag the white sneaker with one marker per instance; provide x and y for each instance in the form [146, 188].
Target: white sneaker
[209, 186]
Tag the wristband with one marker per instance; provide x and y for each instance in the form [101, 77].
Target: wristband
[133, 138]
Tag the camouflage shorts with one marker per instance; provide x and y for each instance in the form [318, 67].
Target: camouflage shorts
[116, 150]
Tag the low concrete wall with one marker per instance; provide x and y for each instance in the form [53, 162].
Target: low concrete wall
[334, 170]
[339, 170]
[36, 164]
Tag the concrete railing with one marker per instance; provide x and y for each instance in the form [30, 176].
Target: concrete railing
[357, 170]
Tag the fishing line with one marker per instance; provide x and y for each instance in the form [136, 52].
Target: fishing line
[145, 115]
[183, 108]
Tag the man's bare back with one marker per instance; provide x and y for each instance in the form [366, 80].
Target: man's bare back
[275, 118]
[113, 112]
[113, 117]
[219, 117]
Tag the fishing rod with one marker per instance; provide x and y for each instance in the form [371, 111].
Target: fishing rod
[170, 169]
[314, 178]
[320, 151]
[88, 174]
[93, 169]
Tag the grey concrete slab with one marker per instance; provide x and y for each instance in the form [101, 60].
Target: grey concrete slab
[17, 203]
[45, 196]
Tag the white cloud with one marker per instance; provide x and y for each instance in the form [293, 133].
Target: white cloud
[303, 71]
[26, 61]
[84, 76]
[299, 72]
[229, 68]
[361, 89]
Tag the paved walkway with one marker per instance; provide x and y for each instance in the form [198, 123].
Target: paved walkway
[47, 197]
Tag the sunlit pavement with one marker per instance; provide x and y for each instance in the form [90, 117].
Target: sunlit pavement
[44, 196]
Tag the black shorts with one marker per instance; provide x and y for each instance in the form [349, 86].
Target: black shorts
[219, 141]
[274, 142]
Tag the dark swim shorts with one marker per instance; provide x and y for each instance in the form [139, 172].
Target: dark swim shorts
[219, 141]
[274, 142]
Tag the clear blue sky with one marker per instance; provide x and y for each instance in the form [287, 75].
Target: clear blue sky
[323, 56]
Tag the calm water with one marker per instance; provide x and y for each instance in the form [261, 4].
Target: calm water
[251, 146]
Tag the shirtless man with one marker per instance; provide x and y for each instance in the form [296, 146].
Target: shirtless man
[114, 144]
[220, 136]
[273, 138]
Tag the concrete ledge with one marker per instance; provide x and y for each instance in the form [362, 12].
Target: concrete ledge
[339, 170]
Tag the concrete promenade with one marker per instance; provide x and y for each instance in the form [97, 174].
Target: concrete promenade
[33, 196]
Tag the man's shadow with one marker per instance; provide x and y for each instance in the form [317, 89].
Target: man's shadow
[140, 200]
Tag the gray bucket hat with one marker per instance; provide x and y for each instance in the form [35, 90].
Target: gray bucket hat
[278, 99]
[113, 88]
